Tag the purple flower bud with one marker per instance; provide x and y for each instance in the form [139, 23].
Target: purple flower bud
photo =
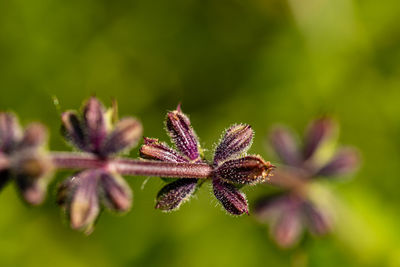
[288, 228]
[35, 135]
[117, 194]
[182, 134]
[155, 150]
[318, 132]
[126, 134]
[285, 146]
[174, 194]
[10, 132]
[246, 170]
[231, 198]
[236, 141]
[83, 208]
[95, 123]
[72, 129]
[317, 221]
[345, 161]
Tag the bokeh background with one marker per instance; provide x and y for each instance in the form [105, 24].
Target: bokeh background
[256, 61]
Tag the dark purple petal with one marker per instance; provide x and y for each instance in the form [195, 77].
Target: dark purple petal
[236, 141]
[155, 150]
[95, 123]
[182, 134]
[35, 135]
[230, 197]
[117, 194]
[317, 221]
[83, 208]
[174, 194]
[288, 228]
[319, 131]
[285, 146]
[126, 134]
[72, 129]
[345, 161]
[10, 132]
[246, 170]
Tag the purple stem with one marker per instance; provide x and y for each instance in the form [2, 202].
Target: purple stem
[125, 166]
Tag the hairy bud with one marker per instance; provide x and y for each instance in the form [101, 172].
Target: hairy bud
[236, 141]
[95, 123]
[156, 150]
[72, 129]
[126, 134]
[231, 198]
[174, 194]
[83, 207]
[117, 194]
[182, 134]
[246, 170]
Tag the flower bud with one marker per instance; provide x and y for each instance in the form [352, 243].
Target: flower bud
[117, 194]
[317, 221]
[35, 135]
[285, 146]
[174, 194]
[10, 132]
[83, 208]
[182, 134]
[155, 150]
[231, 198]
[72, 129]
[320, 131]
[126, 134]
[345, 161]
[288, 228]
[236, 141]
[95, 123]
[246, 170]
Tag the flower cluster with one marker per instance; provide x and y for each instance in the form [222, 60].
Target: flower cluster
[292, 210]
[23, 159]
[231, 166]
[98, 132]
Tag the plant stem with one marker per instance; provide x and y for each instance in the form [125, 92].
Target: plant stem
[125, 166]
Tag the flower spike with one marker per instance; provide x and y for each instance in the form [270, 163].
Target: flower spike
[82, 194]
[23, 158]
[294, 210]
[231, 166]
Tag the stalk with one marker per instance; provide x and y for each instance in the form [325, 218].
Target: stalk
[125, 166]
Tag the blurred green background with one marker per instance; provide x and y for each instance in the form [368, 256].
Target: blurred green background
[256, 61]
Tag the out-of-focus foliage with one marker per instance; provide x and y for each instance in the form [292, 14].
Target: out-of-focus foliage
[257, 62]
